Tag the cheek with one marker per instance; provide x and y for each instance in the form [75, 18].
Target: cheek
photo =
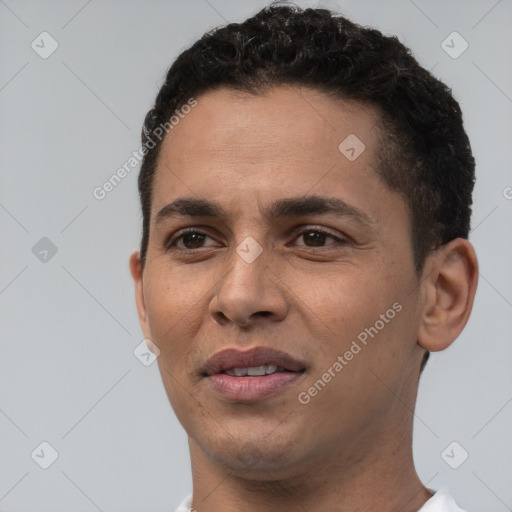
[364, 317]
[342, 303]
[174, 318]
[172, 314]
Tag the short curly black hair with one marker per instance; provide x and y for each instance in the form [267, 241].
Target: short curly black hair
[424, 152]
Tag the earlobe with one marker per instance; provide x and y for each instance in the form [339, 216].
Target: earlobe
[136, 272]
[449, 285]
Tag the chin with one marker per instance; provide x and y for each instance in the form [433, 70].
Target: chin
[253, 456]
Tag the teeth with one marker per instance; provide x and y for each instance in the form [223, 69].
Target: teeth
[254, 371]
[270, 368]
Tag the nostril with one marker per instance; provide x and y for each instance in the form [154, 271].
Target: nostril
[263, 313]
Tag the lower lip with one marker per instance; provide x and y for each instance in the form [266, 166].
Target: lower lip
[251, 388]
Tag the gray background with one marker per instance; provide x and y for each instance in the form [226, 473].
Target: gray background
[68, 375]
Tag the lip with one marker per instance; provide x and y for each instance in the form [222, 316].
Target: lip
[233, 358]
[251, 388]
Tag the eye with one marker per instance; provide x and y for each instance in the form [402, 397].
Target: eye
[191, 239]
[317, 238]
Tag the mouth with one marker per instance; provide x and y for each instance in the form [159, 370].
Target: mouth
[257, 361]
[251, 375]
[255, 371]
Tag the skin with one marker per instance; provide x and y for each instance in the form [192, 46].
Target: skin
[350, 447]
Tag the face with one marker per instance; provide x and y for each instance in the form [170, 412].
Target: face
[295, 246]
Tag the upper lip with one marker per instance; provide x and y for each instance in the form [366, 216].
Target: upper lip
[234, 358]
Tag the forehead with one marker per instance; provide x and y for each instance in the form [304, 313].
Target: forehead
[284, 142]
[285, 120]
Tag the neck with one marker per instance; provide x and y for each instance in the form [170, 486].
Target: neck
[384, 480]
[373, 470]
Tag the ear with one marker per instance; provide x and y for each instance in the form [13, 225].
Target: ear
[136, 272]
[449, 284]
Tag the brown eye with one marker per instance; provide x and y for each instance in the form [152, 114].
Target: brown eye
[191, 239]
[317, 238]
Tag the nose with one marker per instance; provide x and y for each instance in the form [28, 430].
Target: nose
[249, 291]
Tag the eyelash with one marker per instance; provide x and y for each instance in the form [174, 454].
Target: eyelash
[171, 243]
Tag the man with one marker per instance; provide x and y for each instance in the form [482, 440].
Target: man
[304, 248]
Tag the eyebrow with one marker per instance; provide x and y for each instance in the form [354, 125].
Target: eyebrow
[282, 208]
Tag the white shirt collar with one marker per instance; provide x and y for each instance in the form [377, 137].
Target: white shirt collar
[442, 501]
